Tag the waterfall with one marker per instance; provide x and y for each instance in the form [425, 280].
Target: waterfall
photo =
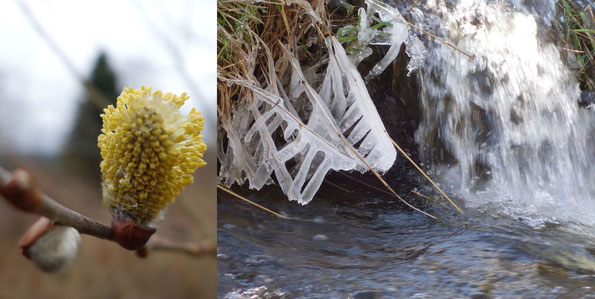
[504, 129]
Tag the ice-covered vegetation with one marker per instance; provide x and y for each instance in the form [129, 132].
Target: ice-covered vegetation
[292, 102]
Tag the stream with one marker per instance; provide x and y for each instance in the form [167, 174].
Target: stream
[503, 134]
[354, 247]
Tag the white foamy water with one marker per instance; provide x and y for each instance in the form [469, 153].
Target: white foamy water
[506, 125]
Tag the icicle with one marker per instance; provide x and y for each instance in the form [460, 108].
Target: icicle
[311, 148]
[416, 51]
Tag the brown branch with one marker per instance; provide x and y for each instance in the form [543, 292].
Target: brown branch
[65, 216]
[189, 248]
[20, 190]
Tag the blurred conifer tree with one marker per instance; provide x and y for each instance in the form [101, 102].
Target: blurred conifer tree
[81, 155]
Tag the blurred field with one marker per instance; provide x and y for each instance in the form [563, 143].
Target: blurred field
[103, 269]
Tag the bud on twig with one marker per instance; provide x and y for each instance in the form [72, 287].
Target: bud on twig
[50, 247]
[38, 229]
[21, 191]
[130, 235]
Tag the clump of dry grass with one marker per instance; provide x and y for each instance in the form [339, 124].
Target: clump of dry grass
[247, 30]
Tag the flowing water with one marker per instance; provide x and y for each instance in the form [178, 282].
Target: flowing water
[502, 132]
[362, 245]
[507, 121]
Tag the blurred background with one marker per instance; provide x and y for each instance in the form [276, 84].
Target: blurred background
[52, 52]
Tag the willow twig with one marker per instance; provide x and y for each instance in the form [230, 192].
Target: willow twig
[27, 198]
[19, 189]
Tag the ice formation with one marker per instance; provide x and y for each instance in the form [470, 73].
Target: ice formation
[398, 34]
[342, 129]
[321, 121]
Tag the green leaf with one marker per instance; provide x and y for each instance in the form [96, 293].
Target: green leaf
[348, 7]
[583, 30]
[346, 38]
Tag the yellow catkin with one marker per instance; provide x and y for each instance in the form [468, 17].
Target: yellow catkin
[150, 151]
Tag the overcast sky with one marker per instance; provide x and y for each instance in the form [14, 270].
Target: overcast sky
[39, 96]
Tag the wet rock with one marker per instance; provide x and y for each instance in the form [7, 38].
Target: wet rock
[367, 295]
[587, 98]
[396, 97]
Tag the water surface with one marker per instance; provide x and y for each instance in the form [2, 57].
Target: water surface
[367, 246]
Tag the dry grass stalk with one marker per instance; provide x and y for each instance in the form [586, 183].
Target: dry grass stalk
[252, 203]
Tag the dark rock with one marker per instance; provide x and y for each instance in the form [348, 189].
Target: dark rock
[396, 97]
[587, 98]
[367, 295]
